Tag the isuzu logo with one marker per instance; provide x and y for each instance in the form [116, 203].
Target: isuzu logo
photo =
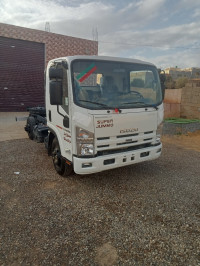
[128, 130]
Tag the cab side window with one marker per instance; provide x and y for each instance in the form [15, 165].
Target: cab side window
[65, 99]
[65, 105]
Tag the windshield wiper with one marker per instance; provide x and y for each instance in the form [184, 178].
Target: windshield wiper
[143, 103]
[100, 104]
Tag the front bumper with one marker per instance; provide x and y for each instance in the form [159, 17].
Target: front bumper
[101, 163]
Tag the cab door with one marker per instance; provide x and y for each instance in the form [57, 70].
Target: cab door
[58, 111]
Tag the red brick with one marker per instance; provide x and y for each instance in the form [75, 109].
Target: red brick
[56, 45]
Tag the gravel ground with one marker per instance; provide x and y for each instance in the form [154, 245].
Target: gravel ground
[145, 214]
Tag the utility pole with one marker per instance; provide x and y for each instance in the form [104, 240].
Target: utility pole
[95, 34]
[47, 26]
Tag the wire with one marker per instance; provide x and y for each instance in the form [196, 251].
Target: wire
[150, 45]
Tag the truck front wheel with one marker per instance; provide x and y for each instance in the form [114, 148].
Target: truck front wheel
[61, 167]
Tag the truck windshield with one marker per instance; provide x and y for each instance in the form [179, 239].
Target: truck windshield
[108, 85]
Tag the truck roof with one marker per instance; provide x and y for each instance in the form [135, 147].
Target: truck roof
[103, 58]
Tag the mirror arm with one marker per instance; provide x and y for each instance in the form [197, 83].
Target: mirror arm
[65, 118]
[59, 111]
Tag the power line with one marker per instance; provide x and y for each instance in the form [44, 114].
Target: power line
[150, 45]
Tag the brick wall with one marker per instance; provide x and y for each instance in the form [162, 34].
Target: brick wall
[190, 100]
[56, 45]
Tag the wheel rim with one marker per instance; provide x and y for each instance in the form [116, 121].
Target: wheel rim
[56, 157]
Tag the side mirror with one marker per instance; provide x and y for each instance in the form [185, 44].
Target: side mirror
[55, 73]
[56, 92]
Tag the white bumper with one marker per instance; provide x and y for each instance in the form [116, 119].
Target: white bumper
[101, 163]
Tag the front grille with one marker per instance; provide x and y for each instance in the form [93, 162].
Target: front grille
[128, 135]
[128, 142]
[148, 132]
[127, 149]
[102, 146]
[123, 143]
[103, 138]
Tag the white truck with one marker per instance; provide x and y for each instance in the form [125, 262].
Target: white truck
[101, 113]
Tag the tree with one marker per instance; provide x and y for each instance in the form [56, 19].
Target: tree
[169, 82]
[181, 82]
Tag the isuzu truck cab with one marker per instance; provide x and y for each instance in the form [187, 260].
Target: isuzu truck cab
[102, 113]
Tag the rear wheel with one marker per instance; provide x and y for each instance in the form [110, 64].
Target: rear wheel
[61, 167]
[30, 125]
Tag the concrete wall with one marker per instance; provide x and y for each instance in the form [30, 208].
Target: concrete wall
[56, 45]
[172, 103]
[190, 100]
[183, 102]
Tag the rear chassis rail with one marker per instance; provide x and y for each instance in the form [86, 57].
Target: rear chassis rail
[36, 125]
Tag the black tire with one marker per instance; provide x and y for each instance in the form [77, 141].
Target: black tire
[30, 125]
[61, 167]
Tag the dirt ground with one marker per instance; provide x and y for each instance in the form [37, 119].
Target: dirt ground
[143, 214]
[10, 128]
[189, 141]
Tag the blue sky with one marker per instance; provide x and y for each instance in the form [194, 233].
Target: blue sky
[164, 32]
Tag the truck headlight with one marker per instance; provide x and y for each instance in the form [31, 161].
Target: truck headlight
[159, 130]
[85, 142]
[86, 149]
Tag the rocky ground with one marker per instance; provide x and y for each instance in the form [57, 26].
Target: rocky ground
[145, 214]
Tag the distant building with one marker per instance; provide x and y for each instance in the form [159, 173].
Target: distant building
[189, 73]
